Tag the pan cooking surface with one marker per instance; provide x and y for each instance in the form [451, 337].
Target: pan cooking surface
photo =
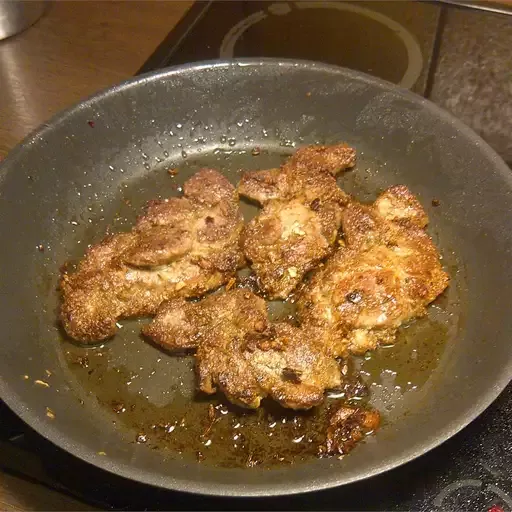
[97, 164]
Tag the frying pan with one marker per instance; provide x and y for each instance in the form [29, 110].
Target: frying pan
[88, 166]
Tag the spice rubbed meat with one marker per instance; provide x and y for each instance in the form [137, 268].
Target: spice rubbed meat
[181, 247]
[382, 272]
[386, 272]
[243, 355]
[300, 218]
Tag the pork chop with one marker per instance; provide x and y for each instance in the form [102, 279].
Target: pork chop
[300, 218]
[386, 272]
[244, 356]
[181, 247]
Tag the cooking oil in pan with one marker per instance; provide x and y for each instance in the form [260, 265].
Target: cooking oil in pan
[150, 396]
[163, 412]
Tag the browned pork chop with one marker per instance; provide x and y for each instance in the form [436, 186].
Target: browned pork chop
[387, 272]
[181, 247]
[242, 355]
[301, 215]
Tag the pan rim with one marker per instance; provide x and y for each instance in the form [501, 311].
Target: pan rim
[64, 441]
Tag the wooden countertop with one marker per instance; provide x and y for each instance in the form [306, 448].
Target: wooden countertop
[74, 50]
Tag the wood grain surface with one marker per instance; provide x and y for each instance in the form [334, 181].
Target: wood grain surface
[74, 50]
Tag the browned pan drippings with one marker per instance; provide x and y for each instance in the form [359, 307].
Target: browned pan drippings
[135, 385]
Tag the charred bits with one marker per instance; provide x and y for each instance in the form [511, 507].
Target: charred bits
[82, 361]
[315, 204]
[292, 375]
[354, 297]
[118, 407]
[141, 438]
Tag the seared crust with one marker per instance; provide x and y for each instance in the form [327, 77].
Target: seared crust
[291, 367]
[181, 247]
[301, 215]
[348, 425]
[181, 324]
[332, 159]
[387, 272]
[240, 354]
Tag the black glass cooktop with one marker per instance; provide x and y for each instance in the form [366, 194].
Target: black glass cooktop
[459, 58]
[380, 38]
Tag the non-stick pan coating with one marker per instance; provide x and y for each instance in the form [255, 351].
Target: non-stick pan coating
[63, 185]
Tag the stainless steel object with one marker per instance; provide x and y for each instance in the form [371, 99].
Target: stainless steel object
[17, 15]
[495, 7]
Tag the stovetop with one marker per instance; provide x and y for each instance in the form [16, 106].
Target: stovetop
[458, 58]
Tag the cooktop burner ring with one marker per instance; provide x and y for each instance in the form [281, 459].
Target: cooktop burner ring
[412, 47]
